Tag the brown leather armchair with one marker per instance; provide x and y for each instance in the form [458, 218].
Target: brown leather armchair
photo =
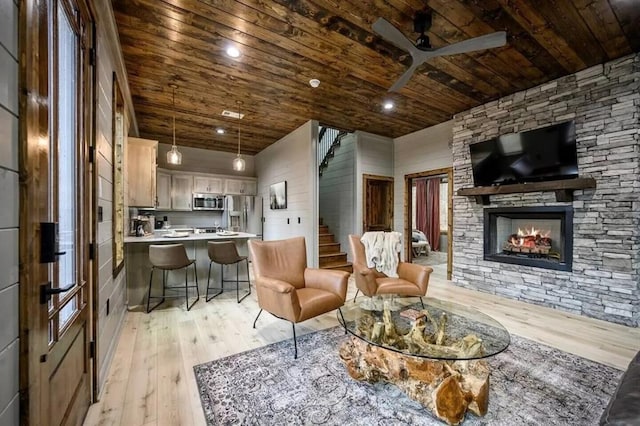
[287, 288]
[412, 279]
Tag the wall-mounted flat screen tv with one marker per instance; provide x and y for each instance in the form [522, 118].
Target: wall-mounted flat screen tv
[548, 153]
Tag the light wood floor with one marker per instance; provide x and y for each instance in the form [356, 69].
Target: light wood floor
[151, 381]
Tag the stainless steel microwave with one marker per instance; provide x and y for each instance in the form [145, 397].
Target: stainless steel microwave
[208, 202]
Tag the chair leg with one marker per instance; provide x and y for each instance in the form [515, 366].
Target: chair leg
[195, 276]
[206, 297]
[248, 278]
[344, 323]
[238, 282]
[149, 292]
[295, 343]
[354, 297]
[256, 320]
[186, 287]
[421, 302]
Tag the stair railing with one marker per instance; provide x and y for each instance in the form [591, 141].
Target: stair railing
[329, 138]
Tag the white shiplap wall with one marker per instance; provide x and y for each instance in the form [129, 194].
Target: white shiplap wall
[292, 159]
[374, 156]
[9, 202]
[109, 288]
[337, 193]
[421, 151]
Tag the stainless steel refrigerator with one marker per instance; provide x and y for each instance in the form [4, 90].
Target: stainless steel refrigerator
[243, 213]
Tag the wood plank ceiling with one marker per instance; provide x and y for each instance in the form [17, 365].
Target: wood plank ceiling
[284, 44]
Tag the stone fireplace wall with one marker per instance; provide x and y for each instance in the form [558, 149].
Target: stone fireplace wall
[604, 101]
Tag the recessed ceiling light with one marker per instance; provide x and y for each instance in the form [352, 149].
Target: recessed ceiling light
[233, 52]
[220, 131]
[388, 105]
[314, 82]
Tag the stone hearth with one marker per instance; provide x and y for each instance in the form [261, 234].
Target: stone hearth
[604, 279]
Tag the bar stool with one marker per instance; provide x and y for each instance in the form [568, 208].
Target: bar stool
[225, 253]
[169, 257]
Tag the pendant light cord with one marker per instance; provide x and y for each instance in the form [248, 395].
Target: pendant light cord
[173, 102]
[239, 118]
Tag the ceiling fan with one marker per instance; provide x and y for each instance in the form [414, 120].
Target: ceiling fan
[422, 50]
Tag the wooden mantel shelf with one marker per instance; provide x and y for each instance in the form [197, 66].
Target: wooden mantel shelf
[563, 188]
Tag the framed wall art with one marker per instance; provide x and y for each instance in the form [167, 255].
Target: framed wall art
[278, 195]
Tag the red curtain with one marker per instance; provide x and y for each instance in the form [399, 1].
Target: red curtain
[421, 205]
[432, 230]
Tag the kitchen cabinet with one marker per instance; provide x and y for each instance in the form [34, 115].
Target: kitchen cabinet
[163, 190]
[141, 172]
[181, 192]
[207, 185]
[240, 187]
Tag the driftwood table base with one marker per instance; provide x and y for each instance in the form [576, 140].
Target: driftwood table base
[447, 388]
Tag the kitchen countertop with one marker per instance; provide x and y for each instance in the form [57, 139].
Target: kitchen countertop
[156, 238]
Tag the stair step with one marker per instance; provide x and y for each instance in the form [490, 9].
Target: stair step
[329, 248]
[340, 266]
[323, 229]
[326, 259]
[325, 238]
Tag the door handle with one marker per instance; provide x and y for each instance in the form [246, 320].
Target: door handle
[60, 253]
[46, 291]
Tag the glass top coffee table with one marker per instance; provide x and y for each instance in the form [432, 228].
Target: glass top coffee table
[453, 321]
[434, 354]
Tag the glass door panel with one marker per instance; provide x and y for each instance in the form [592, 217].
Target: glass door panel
[67, 272]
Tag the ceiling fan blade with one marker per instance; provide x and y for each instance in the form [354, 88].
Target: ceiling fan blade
[488, 41]
[384, 29]
[404, 78]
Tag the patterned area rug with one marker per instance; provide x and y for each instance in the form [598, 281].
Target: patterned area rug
[531, 384]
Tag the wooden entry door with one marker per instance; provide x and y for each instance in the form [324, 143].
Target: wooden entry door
[378, 203]
[55, 210]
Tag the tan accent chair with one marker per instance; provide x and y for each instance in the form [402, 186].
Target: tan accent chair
[169, 257]
[412, 280]
[289, 290]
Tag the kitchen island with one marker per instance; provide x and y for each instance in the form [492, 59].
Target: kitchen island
[138, 265]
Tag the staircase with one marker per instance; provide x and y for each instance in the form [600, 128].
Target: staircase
[330, 255]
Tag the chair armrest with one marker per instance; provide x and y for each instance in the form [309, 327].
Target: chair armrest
[276, 285]
[366, 279]
[278, 297]
[328, 280]
[417, 274]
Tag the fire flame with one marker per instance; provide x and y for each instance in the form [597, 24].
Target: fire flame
[528, 237]
[533, 232]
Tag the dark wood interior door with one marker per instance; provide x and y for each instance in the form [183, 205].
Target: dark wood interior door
[56, 213]
[377, 203]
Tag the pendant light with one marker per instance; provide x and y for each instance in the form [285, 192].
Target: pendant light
[238, 162]
[174, 156]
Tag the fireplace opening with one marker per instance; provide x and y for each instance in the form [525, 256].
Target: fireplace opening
[531, 236]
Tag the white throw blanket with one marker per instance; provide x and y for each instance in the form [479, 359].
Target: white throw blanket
[381, 251]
